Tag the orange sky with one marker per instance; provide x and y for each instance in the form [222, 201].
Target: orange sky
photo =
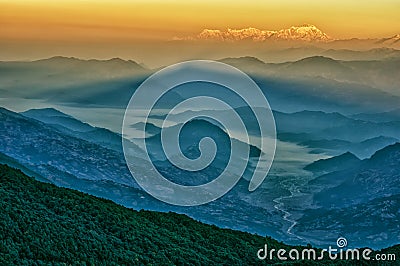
[30, 25]
[149, 19]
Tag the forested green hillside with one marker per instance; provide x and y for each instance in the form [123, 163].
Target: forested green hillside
[44, 224]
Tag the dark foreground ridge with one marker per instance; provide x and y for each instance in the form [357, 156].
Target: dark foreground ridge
[41, 224]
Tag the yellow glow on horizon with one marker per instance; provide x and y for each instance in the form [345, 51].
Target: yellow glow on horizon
[156, 19]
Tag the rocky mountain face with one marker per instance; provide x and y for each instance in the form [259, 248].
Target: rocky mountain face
[68, 158]
[60, 149]
[364, 195]
[341, 162]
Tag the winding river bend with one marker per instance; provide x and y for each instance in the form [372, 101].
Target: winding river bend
[297, 200]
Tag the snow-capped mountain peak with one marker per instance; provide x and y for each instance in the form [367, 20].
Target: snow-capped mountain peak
[305, 32]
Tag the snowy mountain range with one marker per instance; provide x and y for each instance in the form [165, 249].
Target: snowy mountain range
[303, 33]
[306, 32]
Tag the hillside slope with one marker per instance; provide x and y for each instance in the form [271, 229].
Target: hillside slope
[44, 224]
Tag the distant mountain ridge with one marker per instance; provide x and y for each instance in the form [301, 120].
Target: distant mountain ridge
[366, 194]
[368, 179]
[391, 40]
[76, 128]
[112, 82]
[379, 75]
[346, 160]
[116, 62]
[305, 32]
